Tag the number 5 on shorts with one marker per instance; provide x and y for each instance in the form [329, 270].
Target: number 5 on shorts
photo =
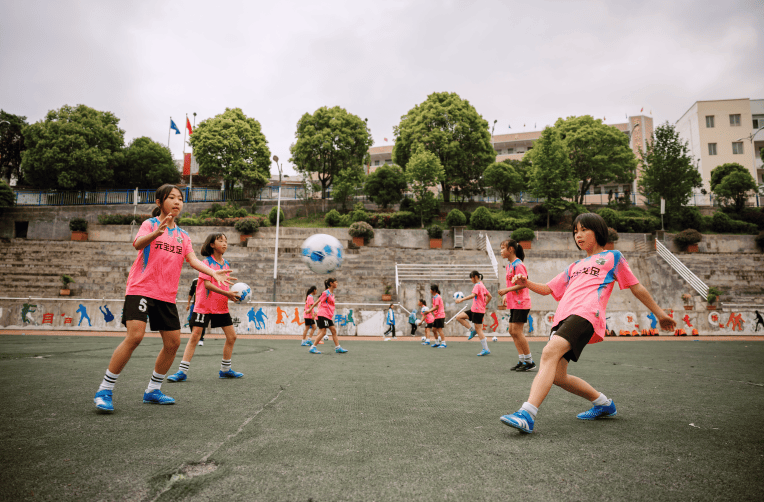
[142, 305]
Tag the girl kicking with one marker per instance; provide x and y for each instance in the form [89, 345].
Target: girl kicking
[211, 309]
[583, 290]
[152, 286]
[428, 320]
[310, 323]
[477, 311]
[325, 314]
[518, 300]
[439, 312]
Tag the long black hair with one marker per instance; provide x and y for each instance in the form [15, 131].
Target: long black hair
[593, 222]
[434, 287]
[310, 291]
[211, 238]
[161, 195]
[475, 273]
[511, 243]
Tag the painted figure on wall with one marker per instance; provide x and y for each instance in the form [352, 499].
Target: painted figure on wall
[759, 320]
[281, 314]
[736, 321]
[260, 318]
[107, 315]
[26, 310]
[297, 319]
[530, 324]
[83, 312]
[653, 320]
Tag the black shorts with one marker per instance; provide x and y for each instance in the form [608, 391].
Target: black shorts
[210, 320]
[309, 322]
[439, 323]
[161, 316]
[577, 331]
[324, 323]
[430, 325]
[475, 317]
[519, 315]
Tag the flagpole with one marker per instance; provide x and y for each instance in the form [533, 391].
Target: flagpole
[190, 174]
[169, 131]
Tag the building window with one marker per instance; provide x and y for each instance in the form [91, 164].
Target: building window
[735, 120]
[737, 148]
[510, 151]
[388, 161]
[498, 152]
[712, 148]
[709, 120]
[376, 162]
[758, 121]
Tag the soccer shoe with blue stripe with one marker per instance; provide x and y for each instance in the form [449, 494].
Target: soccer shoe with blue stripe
[156, 397]
[527, 366]
[103, 402]
[442, 346]
[229, 373]
[484, 352]
[305, 343]
[314, 350]
[471, 334]
[177, 377]
[425, 343]
[516, 367]
[521, 420]
[340, 350]
[598, 412]
[435, 345]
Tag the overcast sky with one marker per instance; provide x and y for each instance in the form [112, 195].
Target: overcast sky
[516, 62]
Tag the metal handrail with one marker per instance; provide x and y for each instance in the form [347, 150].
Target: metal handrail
[492, 256]
[680, 268]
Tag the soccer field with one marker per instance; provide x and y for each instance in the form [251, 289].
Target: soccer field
[387, 421]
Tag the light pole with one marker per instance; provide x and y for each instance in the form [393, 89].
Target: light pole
[634, 183]
[278, 218]
[750, 137]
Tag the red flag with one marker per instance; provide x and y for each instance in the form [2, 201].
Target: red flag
[385, 139]
[186, 163]
[640, 111]
[188, 126]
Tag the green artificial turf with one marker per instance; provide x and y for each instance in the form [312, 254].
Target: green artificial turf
[387, 421]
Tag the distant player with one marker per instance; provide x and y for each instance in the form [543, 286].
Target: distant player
[413, 321]
[325, 315]
[518, 300]
[475, 314]
[439, 311]
[583, 290]
[428, 319]
[190, 307]
[390, 321]
[152, 286]
[211, 309]
[309, 316]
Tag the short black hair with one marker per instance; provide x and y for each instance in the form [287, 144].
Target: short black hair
[593, 222]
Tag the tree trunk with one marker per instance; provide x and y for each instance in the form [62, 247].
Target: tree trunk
[446, 193]
[547, 220]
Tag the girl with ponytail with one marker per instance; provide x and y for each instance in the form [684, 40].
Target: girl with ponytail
[518, 300]
[310, 323]
[477, 311]
[325, 315]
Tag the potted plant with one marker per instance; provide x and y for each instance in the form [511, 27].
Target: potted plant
[79, 228]
[66, 280]
[688, 239]
[687, 299]
[386, 296]
[436, 236]
[713, 294]
[361, 232]
[612, 236]
[246, 227]
[524, 236]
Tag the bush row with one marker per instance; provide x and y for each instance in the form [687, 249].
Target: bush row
[122, 219]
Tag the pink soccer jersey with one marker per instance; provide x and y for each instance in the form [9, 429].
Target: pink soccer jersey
[520, 299]
[326, 305]
[308, 303]
[209, 302]
[429, 318]
[481, 294]
[156, 270]
[584, 288]
[437, 304]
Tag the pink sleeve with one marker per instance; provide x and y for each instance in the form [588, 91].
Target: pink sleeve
[559, 284]
[624, 275]
[146, 228]
[521, 270]
[476, 290]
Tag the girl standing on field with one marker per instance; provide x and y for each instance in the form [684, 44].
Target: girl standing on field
[439, 312]
[307, 311]
[152, 286]
[325, 315]
[428, 321]
[583, 290]
[518, 300]
[211, 309]
[477, 311]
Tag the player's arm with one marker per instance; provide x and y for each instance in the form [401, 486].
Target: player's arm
[470, 297]
[510, 289]
[231, 295]
[488, 297]
[144, 240]
[644, 296]
[538, 288]
[220, 276]
[188, 305]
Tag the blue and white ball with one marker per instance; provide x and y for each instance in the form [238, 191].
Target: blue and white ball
[243, 290]
[322, 253]
[458, 295]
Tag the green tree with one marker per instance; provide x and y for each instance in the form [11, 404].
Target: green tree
[73, 148]
[505, 180]
[598, 153]
[386, 185]
[452, 129]
[147, 164]
[329, 141]
[7, 198]
[424, 172]
[346, 184]
[551, 175]
[11, 145]
[732, 183]
[232, 146]
[668, 170]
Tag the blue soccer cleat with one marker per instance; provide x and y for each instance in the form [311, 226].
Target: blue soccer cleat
[103, 402]
[305, 343]
[340, 350]
[435, 345]
[442, 346]
[314, 350]
[177, 377]
[230, 374]
[598, 412]
[521, 420]
[156, 397]
[471, 335]
[484, 352]
[425, 343]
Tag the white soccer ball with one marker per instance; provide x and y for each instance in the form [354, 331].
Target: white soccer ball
[458, 295]
[243, 290]
[418, 322]
[424, 338]
[326, 337]
[495, 339]
[322, 253]
[424, 310]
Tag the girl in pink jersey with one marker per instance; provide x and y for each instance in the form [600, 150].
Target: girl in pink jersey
[477, 311]
[583, 290]
[310, 323]
[518, 300]
[152, 286]
[325, 315]
[211, 309]
[439, 312]
[429, 321]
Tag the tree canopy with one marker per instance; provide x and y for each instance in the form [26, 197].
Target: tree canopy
[6, 196]
[346, 183]
[505, 179]
[386, 185]
[551, 175]
[423, 173]
[732, 184]
[452, 129]
[146, 164]
[232, 146]
[11, 145]
[328, 141]
[72, 148]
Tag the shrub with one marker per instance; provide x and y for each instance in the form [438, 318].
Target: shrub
[467, 216]
[755, 216]
[639, 224]
[510, 224]
[690, 217]
[78, 225]
[359, 214]
[380, 220]
[435, 231]
[612, 234]
[482, 219]
[345, 220]
[523, 234]
[760, 240]
[687, 237]
[707, 223]
[403, 219]
[272, 216]
[7, 197]
[123, 219]
[333, 218]
[456, 218]
[407, 204]
[247, 226]
[722, 223]
[713, 294]
[611, 217]
[66, 280]
[361, 229]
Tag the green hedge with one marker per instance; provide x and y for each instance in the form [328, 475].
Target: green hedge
[219, 222]
[122, 219]
[722, 223]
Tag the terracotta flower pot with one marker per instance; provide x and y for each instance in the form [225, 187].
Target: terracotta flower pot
[244, 237]
[436, 243]
[64, 292]
[525, 244]
[608, 245]
[688, 307]
[79, 236]
[692, 248]
[711, 307]
[358, 241]
[501, 307]
[387, 298]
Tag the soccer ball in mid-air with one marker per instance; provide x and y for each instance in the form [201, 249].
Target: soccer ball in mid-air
[495, 339]
[418, 322]
[243, 290]
[322, 253]
[458, 295]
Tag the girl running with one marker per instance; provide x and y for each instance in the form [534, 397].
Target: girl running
[211, 309]
[439, 312]
[325, 314]
[428, 321]
[310, 323]
[152, 286]
[477, 311]
[583, 290]
[518, 300]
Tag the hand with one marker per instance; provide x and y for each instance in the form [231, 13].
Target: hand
[503, 292]
[520, 280]
[233, 295]
[223, 277]
[459, 300]
[188, 305]
[167, 221]
[667, 323]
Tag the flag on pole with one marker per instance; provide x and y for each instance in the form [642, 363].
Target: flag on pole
[604, 119]
[385, 139]
[510, 126]
[186, 164]
[643, 109]
[174, 127]
[188, 126]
